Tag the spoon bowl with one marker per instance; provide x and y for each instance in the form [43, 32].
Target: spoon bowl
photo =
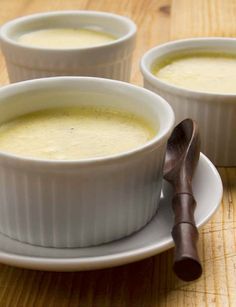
[183, 142]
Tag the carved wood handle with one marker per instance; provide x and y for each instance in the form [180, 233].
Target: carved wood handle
[187, 265]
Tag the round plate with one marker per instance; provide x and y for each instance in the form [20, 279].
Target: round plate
[152, 239]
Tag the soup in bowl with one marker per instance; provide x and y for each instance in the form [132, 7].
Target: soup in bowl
[80, 159]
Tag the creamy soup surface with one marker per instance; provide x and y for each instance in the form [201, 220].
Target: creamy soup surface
[74, 133]
[65, 38]
[205, 72]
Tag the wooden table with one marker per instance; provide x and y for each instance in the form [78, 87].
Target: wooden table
[151, 281]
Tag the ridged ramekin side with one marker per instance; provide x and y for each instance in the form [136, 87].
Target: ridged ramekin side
[216, 118]
[58, 209]
[120, 70]
[112, 63]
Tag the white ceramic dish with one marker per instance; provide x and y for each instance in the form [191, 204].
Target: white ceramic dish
[153, 239]
[215, 113]
[111, 60]
[83, 202]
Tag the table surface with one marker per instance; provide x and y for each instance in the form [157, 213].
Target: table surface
[149, 282]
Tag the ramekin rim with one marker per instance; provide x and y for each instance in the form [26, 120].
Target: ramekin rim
[5, 27]
[155, 142]
[177, 89]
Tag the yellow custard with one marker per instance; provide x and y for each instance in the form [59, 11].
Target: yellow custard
[205, 72]
[74, 133]
[61, 38]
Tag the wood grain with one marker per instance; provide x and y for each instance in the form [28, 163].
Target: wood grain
[149, 282]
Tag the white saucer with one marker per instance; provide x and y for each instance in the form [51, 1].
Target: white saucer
[151, 240]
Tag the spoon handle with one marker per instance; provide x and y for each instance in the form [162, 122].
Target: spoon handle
[187, 265]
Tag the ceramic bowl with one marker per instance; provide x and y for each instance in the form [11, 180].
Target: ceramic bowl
[85, 202]
[111, 60]
[215, 113]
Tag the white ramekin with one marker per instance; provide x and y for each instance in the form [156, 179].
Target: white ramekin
[215, 113]
[86, 202]
[111, 60]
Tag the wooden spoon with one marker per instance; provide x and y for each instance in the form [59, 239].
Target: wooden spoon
[182, 155]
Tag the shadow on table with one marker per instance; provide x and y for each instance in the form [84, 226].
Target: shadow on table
[144, 283]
